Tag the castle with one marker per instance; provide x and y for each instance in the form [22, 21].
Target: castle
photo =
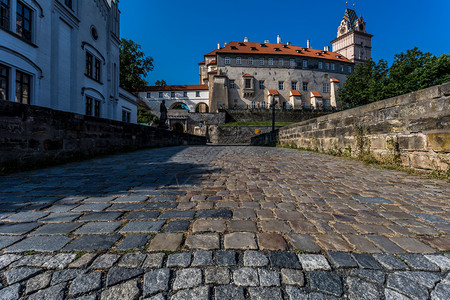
[252, 75]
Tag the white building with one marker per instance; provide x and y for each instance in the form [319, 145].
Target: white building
[194, 98]
[63, 54]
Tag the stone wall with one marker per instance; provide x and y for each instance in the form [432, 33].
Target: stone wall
[256, 115]
[415, 126]
[30, 135]
[234, 135]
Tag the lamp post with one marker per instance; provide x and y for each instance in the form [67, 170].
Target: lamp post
[272, 105]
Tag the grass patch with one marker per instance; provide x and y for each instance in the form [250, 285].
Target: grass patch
[256, 123]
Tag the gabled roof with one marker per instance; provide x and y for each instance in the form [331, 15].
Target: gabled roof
[248, 75]
[201, 63]
[273, 92]
[295, 93]
[192, 87]
[278, 49]
[316, 94]
[213, 62]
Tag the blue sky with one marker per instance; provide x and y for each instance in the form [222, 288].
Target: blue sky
[177, 33]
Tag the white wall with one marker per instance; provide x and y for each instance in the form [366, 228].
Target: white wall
[56, 56]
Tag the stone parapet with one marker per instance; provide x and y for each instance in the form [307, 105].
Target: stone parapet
[32, 135]
[414, 126]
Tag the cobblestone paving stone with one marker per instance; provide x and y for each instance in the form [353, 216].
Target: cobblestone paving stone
[223, 222]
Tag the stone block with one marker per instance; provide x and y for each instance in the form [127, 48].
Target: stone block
[439, 142]
[414, 142]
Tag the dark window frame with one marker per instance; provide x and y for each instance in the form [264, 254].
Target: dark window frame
[89, 62]
[97, 69]
[281, 85]
[89, 102]
[21, 13]
[4, 81]
[262, 85]
[23, 83]
[248, 83]
[294, 85]
[97, 110]
[305, 86]
[5, 11]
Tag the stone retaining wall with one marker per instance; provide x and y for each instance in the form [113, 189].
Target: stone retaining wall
[32, 135]
[415, 126]
[235, 135]
[257, 115]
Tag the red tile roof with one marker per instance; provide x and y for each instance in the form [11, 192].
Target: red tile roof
[316, 94]
[278, 49]
[192, 87]
[334, 80]
[213, 72]
[248, 75]
[212, 62]
[201, 63]
[295, 93]
[212, 53]
[273, 92]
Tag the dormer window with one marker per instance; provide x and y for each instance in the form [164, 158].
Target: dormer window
[299, 51]
[285, 46]
[234, 48]
[263, 45]
[242, 44]
[277, 49]
[254, 49]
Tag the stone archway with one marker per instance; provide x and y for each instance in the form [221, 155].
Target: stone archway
[202, 108]
[177, 127]
[179, 105]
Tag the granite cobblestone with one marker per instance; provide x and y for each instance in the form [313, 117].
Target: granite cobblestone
[251, 227]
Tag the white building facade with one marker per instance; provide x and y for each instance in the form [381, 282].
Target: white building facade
[63, 54]
[194, 98]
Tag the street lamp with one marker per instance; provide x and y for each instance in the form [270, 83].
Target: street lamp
[272, 105]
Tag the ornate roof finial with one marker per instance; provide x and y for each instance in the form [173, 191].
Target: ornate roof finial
[346, 4]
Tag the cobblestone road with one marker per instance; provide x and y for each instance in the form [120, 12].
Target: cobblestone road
[223, 222]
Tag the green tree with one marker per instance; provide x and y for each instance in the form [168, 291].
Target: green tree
[365, 84]
[134, 65]
[145, 116]
[160, 83]
[410, 71]
[407, 71]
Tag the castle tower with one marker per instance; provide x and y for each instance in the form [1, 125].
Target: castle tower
[352, 41]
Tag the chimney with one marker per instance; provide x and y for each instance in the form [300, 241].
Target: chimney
[326, 48]
[218, 46]
[266, 41]
[279, 39]
[308, 44]
[246, 40]
[288, 43]
[224, 44]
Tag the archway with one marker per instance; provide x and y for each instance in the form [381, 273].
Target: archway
[178, 127]
[202, 108]
[179, 105]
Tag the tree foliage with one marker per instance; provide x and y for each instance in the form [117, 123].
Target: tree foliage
[160, 83]
[134, 65]
[410, 71]
[145, 116]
